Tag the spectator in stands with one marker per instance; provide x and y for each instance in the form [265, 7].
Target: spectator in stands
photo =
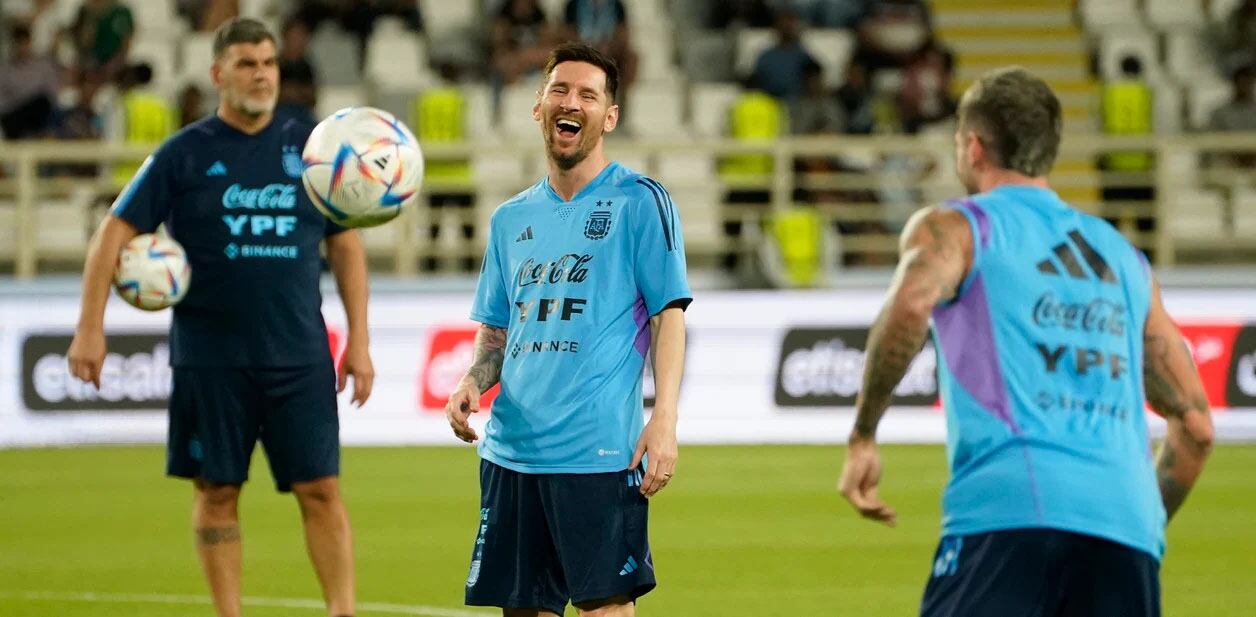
[28, 89]
[140, 115]
[833, 13]
[779, 69]
[1127, 110]
[45, 26]
[359, 16]
[207, 15]
[925, 97]
[520, 40]
[892, 33]
[748, 13]
[856, 99]
[816, 111]
[191, 105]
[298, 84]
[102, 35]
[1239, 114]
[1236, 36]
[604, 25]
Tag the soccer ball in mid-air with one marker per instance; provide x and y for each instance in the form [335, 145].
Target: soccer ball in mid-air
[362, 166]
[152, 272]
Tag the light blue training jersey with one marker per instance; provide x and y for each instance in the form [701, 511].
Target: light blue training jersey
[1040, 362]
[574, 283]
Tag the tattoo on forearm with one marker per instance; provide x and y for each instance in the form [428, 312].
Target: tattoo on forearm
[211, 536]
[1165, 391]
[490, 353]
[932, 270]
[1172, 492]
[892, 345]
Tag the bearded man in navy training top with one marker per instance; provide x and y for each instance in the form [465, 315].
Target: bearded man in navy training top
[248, 344]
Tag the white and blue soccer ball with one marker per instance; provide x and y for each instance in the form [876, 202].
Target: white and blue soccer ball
[152, 272]
[362, 167]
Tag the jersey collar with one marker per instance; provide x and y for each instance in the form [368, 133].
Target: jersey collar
[593, 185]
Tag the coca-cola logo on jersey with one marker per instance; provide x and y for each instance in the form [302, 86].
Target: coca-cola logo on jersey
[449, 355]
[1097, 316]
[824, 367]
[269, 197]
[570, 268]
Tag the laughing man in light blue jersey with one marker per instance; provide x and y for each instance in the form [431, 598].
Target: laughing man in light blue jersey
[1050, 330]
[582, 270]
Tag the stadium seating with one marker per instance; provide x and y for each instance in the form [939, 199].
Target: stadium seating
[196, 55]
[707, 56]
[158, 53]
[1197, 214]
[751, 42]
[332, 98]
[655, 111]
[708, 106]
[336, 56]
[1244, 202]
[1165, 14]
[1101, 15]
[832, 48]
[396, 59]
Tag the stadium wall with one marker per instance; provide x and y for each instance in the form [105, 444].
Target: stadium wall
[763, 367]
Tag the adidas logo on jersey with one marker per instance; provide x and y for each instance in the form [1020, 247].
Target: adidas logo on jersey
[217, 169]
[1068, 258]
[526, 235]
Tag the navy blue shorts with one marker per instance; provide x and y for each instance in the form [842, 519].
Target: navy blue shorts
[1040, 573]
[217, 415]
[548, 539]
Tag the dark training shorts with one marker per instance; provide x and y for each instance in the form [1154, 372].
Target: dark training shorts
[217, 415]
[1040, 573]
[544, 540]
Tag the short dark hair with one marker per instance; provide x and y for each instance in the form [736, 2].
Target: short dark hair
[20, 34]
[1017, 117]
[583, 52]
[240, 30]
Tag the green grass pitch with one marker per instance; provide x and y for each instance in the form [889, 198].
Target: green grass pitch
[754, 531]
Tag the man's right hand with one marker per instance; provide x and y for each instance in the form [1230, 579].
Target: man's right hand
[87, 355]
[462, 403]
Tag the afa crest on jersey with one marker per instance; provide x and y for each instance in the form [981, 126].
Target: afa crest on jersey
[292, 164]
[598, 225]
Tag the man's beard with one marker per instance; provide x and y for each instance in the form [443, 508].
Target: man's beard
[251, 106]
[584, 147]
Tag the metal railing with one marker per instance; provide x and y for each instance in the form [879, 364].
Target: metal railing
[1197, 199]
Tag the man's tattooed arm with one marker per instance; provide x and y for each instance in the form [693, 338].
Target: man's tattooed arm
[935, 255]
[1174, 390]
[490, 353]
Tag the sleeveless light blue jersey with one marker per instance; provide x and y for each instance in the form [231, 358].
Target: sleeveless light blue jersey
[1040, 362]
[574, 284]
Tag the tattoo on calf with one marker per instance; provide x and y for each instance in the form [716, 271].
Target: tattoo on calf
[210, 536]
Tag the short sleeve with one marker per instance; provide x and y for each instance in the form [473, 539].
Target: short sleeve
[659, 250]
[492, 301]
[332, 228]
[145, 202]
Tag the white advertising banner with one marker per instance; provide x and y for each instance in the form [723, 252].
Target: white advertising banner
[762, 367]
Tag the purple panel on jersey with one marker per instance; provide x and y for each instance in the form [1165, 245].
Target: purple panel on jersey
[966, 335]
[642, 318]
[983, 221]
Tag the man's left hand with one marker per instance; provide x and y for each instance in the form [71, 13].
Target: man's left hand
[659, 441]
[356, 363]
